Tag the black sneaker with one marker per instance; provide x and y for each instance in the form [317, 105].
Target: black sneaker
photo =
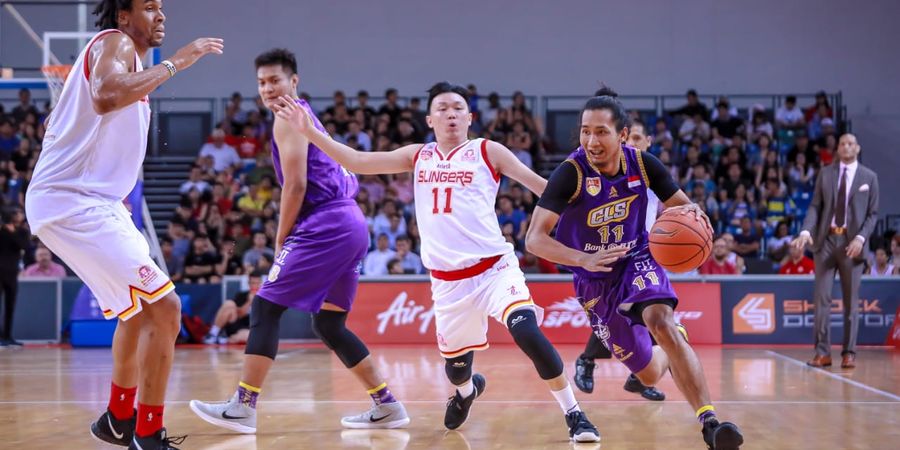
[722, 436]
[632, 384]
[584, 374]
[158, 441]
[458, 407]
[580, 428]
[113, 431]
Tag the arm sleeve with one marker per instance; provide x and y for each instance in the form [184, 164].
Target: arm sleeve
[560, 188]
[658, 176]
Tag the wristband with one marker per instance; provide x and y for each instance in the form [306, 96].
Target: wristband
[170, 67]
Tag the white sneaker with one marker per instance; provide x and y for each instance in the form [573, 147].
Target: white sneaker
[385, 415]
[232, 415]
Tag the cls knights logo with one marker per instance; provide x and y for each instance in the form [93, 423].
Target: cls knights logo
[615, 211]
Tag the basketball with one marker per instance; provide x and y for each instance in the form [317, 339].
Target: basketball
[679, 242]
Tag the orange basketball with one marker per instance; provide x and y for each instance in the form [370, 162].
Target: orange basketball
[679, 242]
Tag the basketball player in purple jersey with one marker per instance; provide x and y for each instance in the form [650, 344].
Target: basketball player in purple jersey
[597, 199]
[594, 349]
[474, 273]
[322, 238]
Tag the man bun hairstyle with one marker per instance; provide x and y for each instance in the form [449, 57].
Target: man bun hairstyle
[606, 98]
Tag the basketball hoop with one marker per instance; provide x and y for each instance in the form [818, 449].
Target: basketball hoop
[56, 79]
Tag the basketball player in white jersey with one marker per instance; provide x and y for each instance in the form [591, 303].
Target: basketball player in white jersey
[93, 150]
[474, 272]
[594, 349]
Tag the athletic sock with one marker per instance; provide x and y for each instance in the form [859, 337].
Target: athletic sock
[248, 394]
[705, 413]
[566, 399]
[214, 330]
[381, 394]
[149, 419]
[121, 402]
[466, 389]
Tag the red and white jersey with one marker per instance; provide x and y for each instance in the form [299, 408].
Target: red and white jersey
[88, 159]
[455, 193]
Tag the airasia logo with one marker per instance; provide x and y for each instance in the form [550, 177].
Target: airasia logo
[567, 312]
[405, 311]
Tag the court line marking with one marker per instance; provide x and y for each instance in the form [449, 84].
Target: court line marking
[503, 402]
[834, 376]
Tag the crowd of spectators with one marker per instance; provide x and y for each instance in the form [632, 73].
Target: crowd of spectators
[752, 171]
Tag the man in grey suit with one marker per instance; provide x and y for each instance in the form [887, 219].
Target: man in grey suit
[839, 221]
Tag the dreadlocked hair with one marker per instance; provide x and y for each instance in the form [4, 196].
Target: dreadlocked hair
[107, 12]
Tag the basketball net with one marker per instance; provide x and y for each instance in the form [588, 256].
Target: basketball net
[56, 79]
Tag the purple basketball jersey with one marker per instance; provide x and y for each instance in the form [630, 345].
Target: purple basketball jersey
[607, 211]
[326, 180]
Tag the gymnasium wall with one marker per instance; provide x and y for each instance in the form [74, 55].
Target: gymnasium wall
[561, 47]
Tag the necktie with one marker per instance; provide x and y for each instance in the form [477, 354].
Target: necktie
[840, 210]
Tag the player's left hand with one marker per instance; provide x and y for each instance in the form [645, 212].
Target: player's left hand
[698, 213]
[854, 248]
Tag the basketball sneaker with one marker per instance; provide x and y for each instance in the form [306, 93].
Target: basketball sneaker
[385, 415]
[584, 374]
[580, 428]
[458, 407]
[632, 384]
[721, 436]
[113, 431]
[232, 415]
[158, 441]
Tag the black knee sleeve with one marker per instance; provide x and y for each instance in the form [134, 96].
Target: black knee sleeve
[265, 321]
[524, 329]
[330, 327]
[595, 349]
[459, 369]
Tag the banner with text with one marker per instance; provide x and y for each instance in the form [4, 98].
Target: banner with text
[783, 311]
[402, 313]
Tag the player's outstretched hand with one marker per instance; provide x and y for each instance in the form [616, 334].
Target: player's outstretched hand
[802, 241]
[289, 111]
[602, 260]
[698, 214]
[189, 54]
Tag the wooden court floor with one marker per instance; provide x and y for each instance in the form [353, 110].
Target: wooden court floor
[48, 397]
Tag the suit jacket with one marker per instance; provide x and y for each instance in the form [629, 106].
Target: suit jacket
[862, 204]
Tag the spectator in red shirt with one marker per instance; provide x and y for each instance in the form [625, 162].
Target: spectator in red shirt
[719, 263]
[797, 263]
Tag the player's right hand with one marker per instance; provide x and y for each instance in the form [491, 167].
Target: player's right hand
[603, 259]
[191, 53]
[802, 241]
[289, 111]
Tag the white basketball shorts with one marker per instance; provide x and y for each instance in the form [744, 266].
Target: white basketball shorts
[462, 307]
[109, 254]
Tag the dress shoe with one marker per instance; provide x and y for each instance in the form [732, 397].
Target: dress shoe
[820, 361]
[848, 361]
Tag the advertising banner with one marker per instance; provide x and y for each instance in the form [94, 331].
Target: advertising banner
[782, 311]
[402, 313]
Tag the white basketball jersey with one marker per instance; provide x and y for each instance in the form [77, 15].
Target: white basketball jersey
[455, 193]
[88, 159]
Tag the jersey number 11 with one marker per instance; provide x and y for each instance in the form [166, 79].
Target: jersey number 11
[447, 209]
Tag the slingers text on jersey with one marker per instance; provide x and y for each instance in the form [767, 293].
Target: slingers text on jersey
[455, 192]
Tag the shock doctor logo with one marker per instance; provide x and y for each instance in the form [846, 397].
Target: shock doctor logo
[754, 314]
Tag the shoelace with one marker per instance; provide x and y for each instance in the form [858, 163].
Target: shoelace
[174, 440]
[589, 369]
